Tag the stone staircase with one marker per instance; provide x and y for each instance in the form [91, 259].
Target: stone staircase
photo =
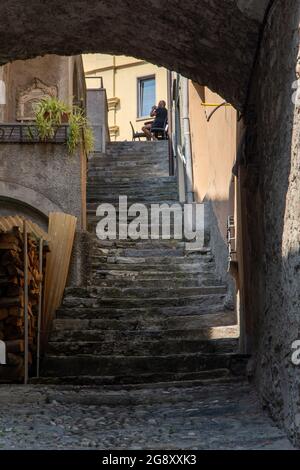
[152, 312]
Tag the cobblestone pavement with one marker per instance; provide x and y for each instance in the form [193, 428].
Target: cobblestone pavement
[223, 416]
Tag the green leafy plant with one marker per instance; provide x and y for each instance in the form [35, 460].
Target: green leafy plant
[50, 113]
[80, 131]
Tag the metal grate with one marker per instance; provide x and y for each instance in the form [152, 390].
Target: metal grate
[17, 133]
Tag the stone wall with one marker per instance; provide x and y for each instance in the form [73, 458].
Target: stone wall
[273, 216]
[210, 41]
[97, 113]
[62, 74]
[40, 178]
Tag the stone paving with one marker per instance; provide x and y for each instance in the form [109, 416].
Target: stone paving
[218, 416]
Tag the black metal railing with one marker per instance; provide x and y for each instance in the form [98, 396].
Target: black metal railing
[22, 133]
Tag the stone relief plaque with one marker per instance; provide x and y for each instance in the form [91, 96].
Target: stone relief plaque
[28, 99]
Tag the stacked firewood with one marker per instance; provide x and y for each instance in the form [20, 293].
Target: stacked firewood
[12, 300]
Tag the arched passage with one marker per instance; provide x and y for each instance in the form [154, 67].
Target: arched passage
[215, 43]
[209, 41]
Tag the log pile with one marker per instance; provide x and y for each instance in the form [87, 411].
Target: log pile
[12, 298]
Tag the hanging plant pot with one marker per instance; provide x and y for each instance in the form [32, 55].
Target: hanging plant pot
[52, 113]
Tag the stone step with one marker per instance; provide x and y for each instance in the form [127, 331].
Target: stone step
[151, 230]
[135, 252]
[125, 180]
[149, 244]
[144, 270]
[112, 196]
[101, 292]
[93, 206]
[132, 199]
[148, 145]
[113, 171]
[132, 158]
[156, 301]
[113, 192]
[72, 331]
[120, 148]
[187, 258]
[150, 381]
[127, 189]
[157, 283]
[207, 323]
[98, 365]
[98, 275]
[129, 168]
[142, 146]
[91, 342]
[92, 211]
[194, 260]
[90, 308]
[146, 252]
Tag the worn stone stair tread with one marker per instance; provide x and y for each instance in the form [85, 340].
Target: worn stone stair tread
[140, 269]
[156, 283]
[200, 301]
[111, 384]
[163, 314]
[210, 320]
[62, 366]
[151, 273]
[212, 333]
[138, 347]
[103, 292]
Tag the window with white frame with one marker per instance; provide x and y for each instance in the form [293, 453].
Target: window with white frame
[146, 95]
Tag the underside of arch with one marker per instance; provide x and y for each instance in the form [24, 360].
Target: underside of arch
[212, 42]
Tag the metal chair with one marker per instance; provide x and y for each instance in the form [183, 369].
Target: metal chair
[161, 133]
[137, 135]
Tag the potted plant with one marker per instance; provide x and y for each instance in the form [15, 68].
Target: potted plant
[50, 113]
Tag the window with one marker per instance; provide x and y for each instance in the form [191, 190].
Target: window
[146, 96]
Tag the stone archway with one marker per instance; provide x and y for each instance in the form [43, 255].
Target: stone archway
[211, 42]
[17, 199]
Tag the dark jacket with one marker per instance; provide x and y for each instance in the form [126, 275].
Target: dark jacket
[161, 118]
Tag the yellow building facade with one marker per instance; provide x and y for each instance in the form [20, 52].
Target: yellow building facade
[133, 86]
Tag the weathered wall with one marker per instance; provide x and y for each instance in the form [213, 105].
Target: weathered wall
[214, 146]
[43, 177]
[209, 41]
[273, 216]
[97, 113]
[52, 70]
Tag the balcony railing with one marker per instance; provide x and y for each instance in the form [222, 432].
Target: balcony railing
[22, 133]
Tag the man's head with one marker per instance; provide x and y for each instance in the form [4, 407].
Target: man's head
[162, 104]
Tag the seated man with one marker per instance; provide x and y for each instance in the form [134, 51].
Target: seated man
[160, 113]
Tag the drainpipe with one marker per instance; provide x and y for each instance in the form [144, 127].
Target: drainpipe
[187, 140]
[170, 121]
